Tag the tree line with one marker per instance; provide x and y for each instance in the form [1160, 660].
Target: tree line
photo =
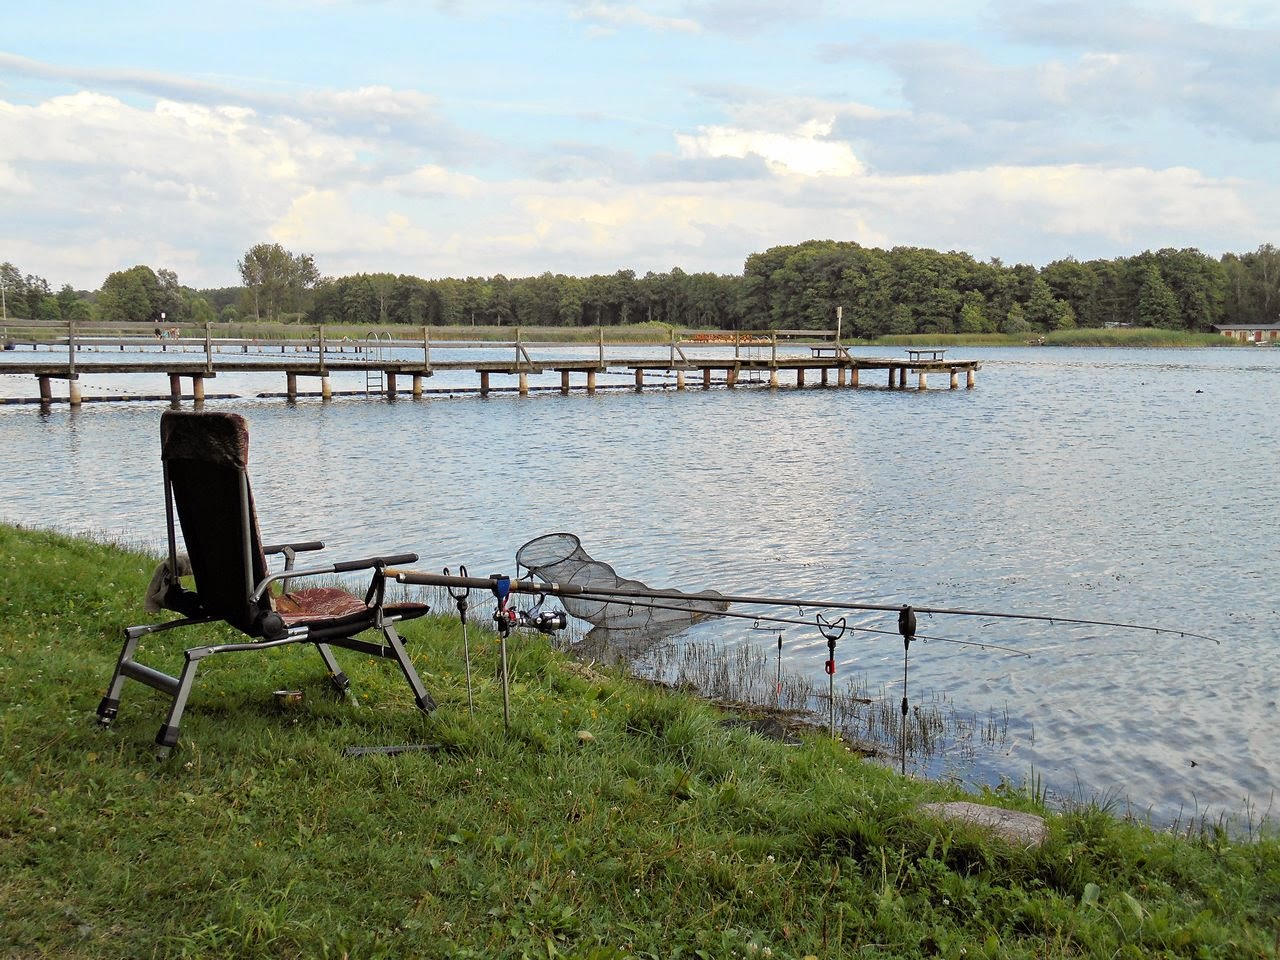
[903, 290]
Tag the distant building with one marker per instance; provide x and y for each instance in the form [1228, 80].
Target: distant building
[1257, 332]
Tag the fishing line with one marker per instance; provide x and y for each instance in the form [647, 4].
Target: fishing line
[746, 600]
[597, 595]
[764, 618]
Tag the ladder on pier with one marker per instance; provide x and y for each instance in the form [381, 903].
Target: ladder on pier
[375, 352]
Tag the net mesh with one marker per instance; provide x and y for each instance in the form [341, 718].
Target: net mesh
[559, 558]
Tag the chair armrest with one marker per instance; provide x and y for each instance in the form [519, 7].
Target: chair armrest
[294, 547]
[345, 566]
[369, 562]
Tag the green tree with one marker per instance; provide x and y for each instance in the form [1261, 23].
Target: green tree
[1157, 305]
[276, 280]
[129, 296]
[168, 297]
[1015, 321]
[973, 315]
[201, 311]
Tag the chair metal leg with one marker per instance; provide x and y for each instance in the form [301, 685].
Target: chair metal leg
[110, 704]
[424, 700]
[341, 682]
[167, 738]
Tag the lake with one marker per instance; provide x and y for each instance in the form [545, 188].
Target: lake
[1121, 485]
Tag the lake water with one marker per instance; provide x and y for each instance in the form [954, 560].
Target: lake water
[1122, 485]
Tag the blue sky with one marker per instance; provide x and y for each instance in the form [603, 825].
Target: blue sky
[458, 138]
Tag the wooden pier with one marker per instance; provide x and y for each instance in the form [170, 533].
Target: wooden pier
[694, 359]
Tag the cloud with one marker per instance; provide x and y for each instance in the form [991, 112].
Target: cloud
[611, 17]
[803, 152]
[1031, 152]
[744, 17]
[407, 116]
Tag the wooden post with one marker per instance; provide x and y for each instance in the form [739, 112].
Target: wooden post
[969, 382]
[839, 376]
[524, 383]
[706, 378]
[600, 331]
[46, 392]
[799, 377]
[591, 380]
[923, 383]
[955, 378]
[893, 376]
[679, 379]
[825, 373]
[639, 379]
[208, 351]
[175, 388]
[853, 376]
[291, 385]
[564, 382]
[731, 377]
[773, 377]
[484, 383]
[391, 385]
[417, 386]
[326, 391]
[197, 388]
[426, 347]
[73, 391]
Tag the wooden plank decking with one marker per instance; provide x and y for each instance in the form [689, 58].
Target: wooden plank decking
[751, 355]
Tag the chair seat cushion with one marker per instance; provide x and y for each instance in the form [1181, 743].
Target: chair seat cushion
[321, 605]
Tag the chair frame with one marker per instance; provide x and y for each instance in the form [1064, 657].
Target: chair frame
[267, 627]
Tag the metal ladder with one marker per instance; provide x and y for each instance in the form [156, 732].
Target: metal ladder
[375, 353]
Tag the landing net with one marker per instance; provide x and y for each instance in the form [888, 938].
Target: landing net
[559, 558]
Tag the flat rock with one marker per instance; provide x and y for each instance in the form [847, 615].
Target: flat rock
[1024, 829]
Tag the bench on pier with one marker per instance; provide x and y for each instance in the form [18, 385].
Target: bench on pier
[827, 353]
[919, 354]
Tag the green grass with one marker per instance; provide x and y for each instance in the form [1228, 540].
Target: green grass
[666, 834]
[1091, 337]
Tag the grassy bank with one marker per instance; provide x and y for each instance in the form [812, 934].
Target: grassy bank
[1134, 337]
[615, 819]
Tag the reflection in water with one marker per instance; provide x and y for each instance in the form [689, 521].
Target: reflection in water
[1121, 485]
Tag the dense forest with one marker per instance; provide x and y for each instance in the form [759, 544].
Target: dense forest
[899, 291]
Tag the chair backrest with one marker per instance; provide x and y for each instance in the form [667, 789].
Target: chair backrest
[206, 459]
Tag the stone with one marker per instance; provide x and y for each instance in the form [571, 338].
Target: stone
[1023, 829]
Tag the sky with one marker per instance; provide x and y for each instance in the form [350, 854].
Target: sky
[459, 138]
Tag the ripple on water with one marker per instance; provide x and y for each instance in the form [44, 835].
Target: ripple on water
[1121, 485]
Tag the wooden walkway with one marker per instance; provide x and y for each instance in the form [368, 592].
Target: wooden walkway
[699, 359]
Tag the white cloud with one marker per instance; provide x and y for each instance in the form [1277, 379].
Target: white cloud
[609, 17]
[804, 152]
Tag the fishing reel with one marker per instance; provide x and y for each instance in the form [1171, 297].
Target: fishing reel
[544, 621]
[534, 618]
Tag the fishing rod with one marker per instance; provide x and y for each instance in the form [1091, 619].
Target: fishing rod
[597, 593]
[765, 618]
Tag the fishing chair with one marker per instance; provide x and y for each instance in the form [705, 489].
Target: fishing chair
[205, 459]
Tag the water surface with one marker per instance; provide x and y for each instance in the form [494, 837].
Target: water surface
[1128, 485]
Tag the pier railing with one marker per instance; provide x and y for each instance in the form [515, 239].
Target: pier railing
[386, 353]
[211, 338]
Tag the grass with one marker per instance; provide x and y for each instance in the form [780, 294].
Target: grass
[1080, 337]
[615, 819]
